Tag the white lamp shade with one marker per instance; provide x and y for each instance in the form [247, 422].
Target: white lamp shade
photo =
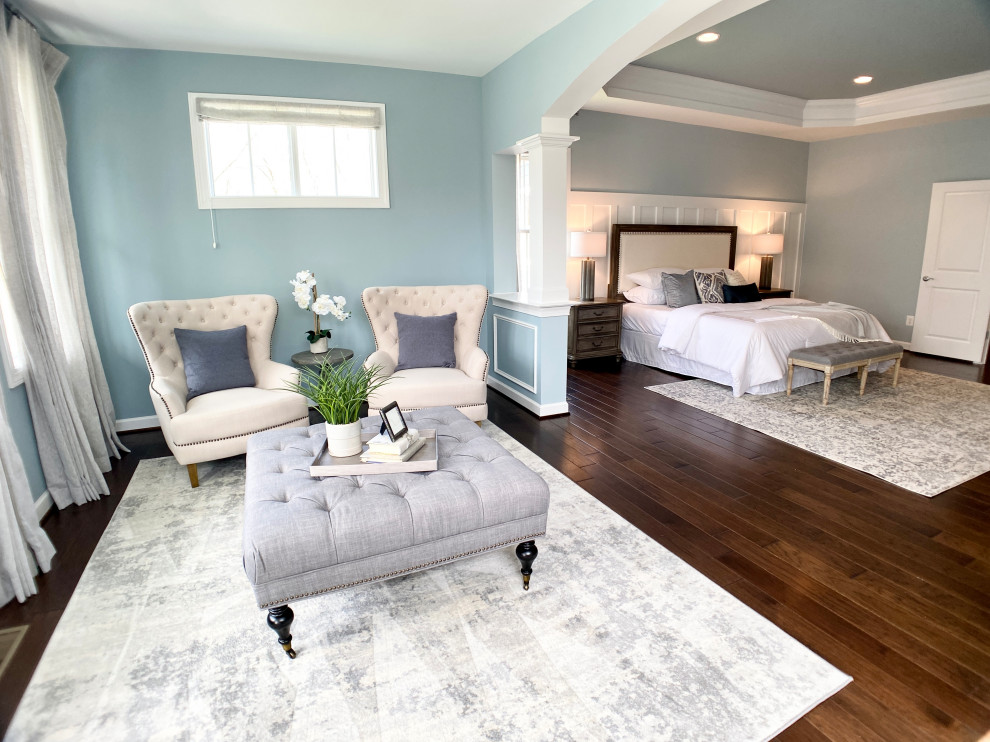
[768, 244]
[588, 244]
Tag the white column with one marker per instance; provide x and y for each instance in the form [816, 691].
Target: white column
[547, 279]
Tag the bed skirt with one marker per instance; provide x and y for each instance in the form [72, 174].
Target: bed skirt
[642, 347]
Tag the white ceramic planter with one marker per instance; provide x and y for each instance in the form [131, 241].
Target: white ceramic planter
[344, 440]
[320, 346]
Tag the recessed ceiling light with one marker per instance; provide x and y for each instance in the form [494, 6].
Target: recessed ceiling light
[707, 37]
[863, 79]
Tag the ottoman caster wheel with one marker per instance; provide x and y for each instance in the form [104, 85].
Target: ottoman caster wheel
[527, 553]
[280, 620]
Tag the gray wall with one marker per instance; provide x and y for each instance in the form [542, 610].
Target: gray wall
[628, 154]
[868, 200]
[142, 237]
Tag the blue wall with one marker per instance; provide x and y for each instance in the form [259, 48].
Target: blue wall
[141, 236]
[868, 201]
[628, 154]
[19, 416]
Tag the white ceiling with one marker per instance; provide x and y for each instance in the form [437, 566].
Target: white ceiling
[464, 37]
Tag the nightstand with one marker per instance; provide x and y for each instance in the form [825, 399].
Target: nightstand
[776, 293]
[594, 329]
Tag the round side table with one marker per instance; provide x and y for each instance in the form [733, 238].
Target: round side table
[314, 360]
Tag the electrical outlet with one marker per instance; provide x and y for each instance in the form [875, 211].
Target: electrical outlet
[910, 320]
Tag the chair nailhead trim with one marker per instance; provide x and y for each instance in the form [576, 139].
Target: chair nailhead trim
[402, 571]
[244, 435]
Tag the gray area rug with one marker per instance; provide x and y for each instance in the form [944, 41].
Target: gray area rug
[927, 435]
[617, 639]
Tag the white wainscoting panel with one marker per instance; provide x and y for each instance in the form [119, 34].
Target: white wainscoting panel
[598, 211]
[513, 358]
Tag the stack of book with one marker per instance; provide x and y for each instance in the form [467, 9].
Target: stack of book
[382, 449]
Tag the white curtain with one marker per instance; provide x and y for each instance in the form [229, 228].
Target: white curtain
[67, 389]
[24, 547]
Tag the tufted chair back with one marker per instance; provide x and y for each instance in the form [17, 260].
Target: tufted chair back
[382, 302]
[154, 323]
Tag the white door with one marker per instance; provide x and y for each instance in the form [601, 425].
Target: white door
[954, 297]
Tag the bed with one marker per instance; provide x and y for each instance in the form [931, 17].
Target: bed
[743, 346]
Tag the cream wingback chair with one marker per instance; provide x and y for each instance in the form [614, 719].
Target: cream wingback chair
[217, 424]
[464, 387]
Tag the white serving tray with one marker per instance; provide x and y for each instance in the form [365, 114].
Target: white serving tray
[425, 459]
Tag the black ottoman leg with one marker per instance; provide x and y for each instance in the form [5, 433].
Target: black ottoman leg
[280, 620]
[526, 551]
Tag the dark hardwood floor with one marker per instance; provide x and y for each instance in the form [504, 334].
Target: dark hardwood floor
[890, 587]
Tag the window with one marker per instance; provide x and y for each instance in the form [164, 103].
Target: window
[522, 221]
[258, 152]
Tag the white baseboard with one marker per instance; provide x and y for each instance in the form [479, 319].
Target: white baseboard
[137, 423]
[541, 410]
[43, 504]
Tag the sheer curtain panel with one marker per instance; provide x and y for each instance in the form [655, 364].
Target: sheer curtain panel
[67, 389]
[24, 547]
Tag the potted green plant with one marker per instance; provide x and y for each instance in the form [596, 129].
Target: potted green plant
[337, 391]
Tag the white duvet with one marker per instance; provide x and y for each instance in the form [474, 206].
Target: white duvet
[751, 342]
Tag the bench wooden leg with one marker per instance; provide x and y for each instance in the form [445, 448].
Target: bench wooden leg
[828, 383]
[897, 370]
[526, 552]
[193, 475]
[790, 376]
[864, 371]
[280, 621]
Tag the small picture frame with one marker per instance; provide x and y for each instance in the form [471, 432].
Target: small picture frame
[393, 421]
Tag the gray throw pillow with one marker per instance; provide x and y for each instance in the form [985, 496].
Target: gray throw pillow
[680, 289]
[214, 360]
[426, 342]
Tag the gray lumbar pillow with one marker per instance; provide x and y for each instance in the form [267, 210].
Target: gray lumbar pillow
[426, 342]
[680, 289]
[214, 360]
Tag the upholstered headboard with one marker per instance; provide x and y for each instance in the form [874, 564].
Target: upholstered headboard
[636, 247]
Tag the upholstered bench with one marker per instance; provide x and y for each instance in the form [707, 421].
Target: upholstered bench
[838, 356]
[306, 536]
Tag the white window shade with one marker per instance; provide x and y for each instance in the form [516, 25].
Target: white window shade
[241, 110]
[252, 152]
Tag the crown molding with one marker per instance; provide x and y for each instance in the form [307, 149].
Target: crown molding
[684, 91]
[642, 91]
[545, 141]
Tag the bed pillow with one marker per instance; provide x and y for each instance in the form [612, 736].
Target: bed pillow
[709, 286]
[740, 294]
[651, 277]
[426, 342]
[734, 277]
[644, 295]
[680, 289]
[214, 360]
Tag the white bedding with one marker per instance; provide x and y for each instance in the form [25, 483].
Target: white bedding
[744, 345]
[650, 318]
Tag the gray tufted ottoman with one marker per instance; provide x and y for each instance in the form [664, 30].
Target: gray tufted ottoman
[305, 536]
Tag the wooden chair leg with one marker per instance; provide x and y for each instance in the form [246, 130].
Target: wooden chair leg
[790, 376]
[897, 370]
[828, 383]
[193, 475]
[864, 371]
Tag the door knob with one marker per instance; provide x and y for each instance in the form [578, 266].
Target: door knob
[927, 278]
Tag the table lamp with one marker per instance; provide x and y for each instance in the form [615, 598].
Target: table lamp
[588, 245]
[767, 245]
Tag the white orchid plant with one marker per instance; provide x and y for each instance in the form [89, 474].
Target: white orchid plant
[307, 297]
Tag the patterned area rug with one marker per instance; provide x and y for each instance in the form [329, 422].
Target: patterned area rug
[9, 641]
[927, 435]
[617, 639]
